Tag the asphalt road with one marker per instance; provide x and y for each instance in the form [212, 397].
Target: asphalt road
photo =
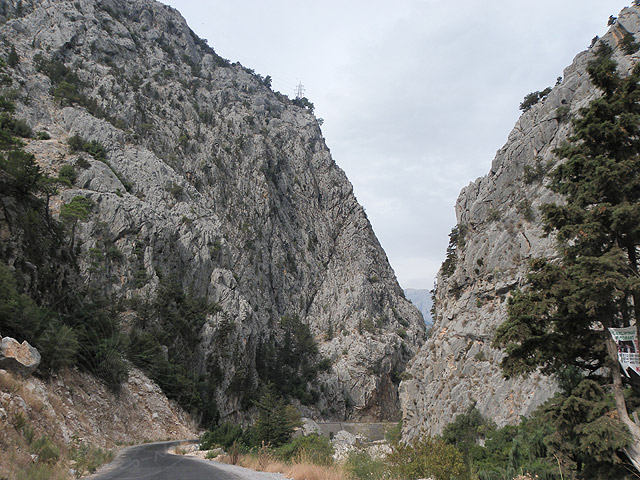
[152, 462]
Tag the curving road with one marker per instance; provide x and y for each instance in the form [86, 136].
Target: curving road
[152, 462]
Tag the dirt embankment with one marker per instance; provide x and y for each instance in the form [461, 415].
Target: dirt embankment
[75, 411]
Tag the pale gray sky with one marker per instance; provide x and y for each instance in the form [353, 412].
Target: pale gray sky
[417, 95]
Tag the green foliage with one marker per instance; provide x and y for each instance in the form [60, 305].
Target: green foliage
[89, 458]
[16, 127]
[304, 103]
[223, 435]
[77, 210]
[492, 453]
[361, 466]
[24, 171]
[535, 173]
[58, 347]
[456, 239]
[313, 448]
[291, 360]
[558, 325]
[46, 450]
[178, 317]
[94, 148]
[276, 419]
[426, 457]
[466, 429]
[532, 98]
[587, 440]
[69, 173]
[67, 87]
[20, 317]
[551, 324]
[55, 69]
[12, 58]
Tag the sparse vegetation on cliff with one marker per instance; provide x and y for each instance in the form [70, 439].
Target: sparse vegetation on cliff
[560, 320]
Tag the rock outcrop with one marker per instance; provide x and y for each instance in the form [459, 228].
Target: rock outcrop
[211, 178]
[500, 231]
[18, 358]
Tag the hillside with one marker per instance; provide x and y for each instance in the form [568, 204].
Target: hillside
[499, 230]
[212, 216]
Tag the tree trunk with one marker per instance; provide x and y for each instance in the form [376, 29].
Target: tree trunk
[633, 449]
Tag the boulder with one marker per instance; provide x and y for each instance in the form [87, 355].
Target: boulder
[19, 358]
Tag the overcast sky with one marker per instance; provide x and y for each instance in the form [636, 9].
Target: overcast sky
[417, 95]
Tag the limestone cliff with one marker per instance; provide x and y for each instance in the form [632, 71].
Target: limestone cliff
[209, 176]
[499, 230]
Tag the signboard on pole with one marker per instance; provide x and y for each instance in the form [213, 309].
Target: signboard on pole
[628, 352]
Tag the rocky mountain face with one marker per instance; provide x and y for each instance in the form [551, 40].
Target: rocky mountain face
[76, 411]
[499, 230]
[197, 171]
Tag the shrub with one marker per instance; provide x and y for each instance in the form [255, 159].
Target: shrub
[532, 98]
[426, 457]
[629, 44]
[69, 173]
[361, 466]
[46, 450]
[224, 436]
[15, 127]
[58, 347]
[312, 448]
[12, 58]
[88, 458]
[94, 148]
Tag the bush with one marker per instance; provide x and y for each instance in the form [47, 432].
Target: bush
[361, 466]
[19, 128]
[88, 458]
[58, 346]
[69, 173]
[94, 148]
[224, 436]
[46, 450]
[426, 457]
[312, 448]
[532, 98]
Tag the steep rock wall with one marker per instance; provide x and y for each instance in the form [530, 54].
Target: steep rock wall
[212, 178]
[498, 215]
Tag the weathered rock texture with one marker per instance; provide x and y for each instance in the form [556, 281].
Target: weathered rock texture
[19, 358]
[214, 178]
[75, 410]
[499, 213]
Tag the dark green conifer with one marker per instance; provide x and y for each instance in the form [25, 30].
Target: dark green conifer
[561, 319]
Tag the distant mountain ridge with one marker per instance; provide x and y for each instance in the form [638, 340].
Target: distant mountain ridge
[421, 298]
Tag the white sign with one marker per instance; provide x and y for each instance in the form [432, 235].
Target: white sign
[628, 352]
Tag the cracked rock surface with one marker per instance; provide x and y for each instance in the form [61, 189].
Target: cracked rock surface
[213, 178]
[503, 231]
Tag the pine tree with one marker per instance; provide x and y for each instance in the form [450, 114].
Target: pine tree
[276, 420]
[561, 320]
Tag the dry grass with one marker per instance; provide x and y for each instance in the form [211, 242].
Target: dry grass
[8, 383]
[15, 386]
[298, 470]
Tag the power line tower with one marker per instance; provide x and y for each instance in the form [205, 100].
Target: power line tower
[300, 90]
